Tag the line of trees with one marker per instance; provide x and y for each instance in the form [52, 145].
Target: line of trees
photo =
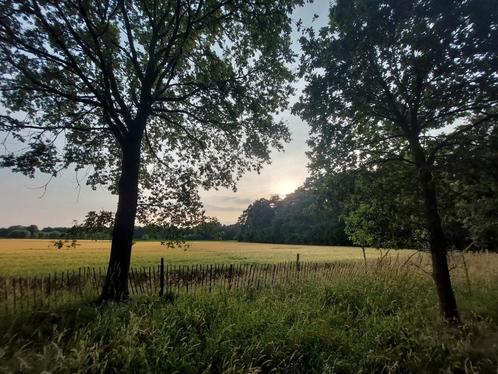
[32, 232]
[295, 219]
[98, 226]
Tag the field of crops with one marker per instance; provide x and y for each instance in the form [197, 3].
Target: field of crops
[23, 257]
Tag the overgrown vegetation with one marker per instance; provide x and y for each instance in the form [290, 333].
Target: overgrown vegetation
[378, 322]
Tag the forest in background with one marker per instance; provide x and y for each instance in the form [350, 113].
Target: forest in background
[376, 208]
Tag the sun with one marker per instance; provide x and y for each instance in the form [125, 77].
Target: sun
[285, 187]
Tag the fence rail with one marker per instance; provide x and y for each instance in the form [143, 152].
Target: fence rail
[25, 294]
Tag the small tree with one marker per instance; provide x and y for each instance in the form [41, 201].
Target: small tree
[381, 210]
[154, 98]
[33, 230]
[255, 221]
[98, 225]
[400, 81]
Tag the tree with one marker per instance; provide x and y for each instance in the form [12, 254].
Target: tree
[255, 221]
[399, 81]
[19, 234]
[33, 230]
[153, 98]
[299, 218]
[230, 232]
[382, 211]
[210, 229]
[470, 172]
[97, 225]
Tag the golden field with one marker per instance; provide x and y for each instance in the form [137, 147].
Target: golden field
[26, 257]
[39, 256]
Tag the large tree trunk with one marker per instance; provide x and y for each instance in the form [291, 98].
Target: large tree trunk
[437, 239]
[116, 282]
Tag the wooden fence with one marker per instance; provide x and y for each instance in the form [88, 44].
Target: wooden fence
[39, 293]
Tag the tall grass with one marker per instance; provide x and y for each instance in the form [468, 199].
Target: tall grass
[382, 321]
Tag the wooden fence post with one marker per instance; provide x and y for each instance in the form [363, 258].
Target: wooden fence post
[210, 277]
[230, 276]
[298, 266]
[161, 278]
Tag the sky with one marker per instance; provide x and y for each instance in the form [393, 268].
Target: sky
[23, 201]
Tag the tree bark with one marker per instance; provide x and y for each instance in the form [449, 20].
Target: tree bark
[437, 240]
[116, 282]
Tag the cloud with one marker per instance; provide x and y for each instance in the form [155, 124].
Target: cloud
[222, 208]
[234, 199]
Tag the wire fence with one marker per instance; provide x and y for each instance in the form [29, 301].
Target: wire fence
[19, 294]
[42, 292]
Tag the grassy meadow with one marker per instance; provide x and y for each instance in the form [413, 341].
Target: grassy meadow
[23, 257]
[378, 322]
[380, 319]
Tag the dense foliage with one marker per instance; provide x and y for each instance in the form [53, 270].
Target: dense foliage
[380, 208]
[295, 219]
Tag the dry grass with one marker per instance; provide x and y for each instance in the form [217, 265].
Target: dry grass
[22, 257]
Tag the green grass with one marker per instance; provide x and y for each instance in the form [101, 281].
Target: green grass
[24, 257]
[373, 323]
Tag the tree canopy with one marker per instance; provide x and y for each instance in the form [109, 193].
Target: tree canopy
[207, 75]
[298, 218]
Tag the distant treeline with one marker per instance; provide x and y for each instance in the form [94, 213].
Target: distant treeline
[33, 232]
[209, 230]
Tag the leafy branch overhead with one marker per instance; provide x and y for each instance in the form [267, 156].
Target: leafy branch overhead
[398, 72]
[196, 81]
